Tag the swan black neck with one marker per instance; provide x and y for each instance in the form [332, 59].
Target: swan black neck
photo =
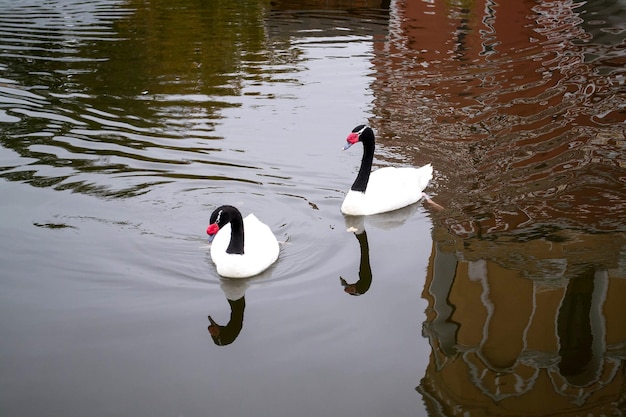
[367, 138]
[229, 214]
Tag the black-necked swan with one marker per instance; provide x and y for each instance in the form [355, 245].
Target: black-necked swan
[385, 189]
[239, 255]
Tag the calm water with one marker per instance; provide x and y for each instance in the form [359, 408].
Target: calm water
[123, 124]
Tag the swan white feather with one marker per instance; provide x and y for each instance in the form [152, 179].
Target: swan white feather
[388, 189]
[260, 250]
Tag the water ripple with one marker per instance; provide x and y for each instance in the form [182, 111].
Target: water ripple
[533, 123]
[65, 137]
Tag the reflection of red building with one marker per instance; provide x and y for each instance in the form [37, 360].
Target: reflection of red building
[525, 295]
[498, 98]
[504, 344]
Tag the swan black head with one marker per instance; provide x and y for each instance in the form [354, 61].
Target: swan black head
[361, 133]
[220, 217]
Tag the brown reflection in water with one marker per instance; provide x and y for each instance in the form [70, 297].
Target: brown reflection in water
[520, 107]
[295, 19]
[506, 345]
[574, 328]
[329, 4]
[523, 125]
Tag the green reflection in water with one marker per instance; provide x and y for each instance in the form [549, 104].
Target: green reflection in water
[132, 92]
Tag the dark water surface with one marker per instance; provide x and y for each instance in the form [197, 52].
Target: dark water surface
[123, 124]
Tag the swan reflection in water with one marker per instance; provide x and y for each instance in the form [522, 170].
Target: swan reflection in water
[234, 289]
[365, 271]
[386, 221]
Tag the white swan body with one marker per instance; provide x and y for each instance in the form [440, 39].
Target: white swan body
[388, 189]
[260, 248]
[385, 189]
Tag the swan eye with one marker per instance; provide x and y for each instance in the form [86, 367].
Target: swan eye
[212, 229]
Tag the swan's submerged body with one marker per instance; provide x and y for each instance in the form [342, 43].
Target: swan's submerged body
[237, 254]
[385, 189]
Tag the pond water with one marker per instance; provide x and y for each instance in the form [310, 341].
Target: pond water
[123, 124]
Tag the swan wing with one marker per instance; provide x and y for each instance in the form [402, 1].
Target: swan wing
[388, 189]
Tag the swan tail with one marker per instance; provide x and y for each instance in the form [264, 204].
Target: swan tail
[426, 174]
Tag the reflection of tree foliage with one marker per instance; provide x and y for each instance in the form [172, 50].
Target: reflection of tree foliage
[103, 87]
[170, 47]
